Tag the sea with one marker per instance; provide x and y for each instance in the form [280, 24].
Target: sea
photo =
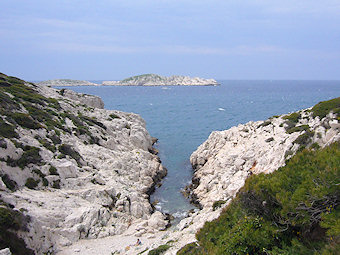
[182, 117]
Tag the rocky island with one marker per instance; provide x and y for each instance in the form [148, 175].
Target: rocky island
[66, 83]
[157, 80]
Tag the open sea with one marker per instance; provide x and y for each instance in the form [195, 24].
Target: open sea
[183, 117]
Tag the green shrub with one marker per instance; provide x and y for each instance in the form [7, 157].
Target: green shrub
[270, 139]
[47, 144]
[114, 116]
[53, 171]
[323, 108]
[45, 182]
[264, 124]
[39, 173]
[56, 184]
[294, 210]
[24, 120]
[159, 250]
[7, 130]
[191, 248]
[31, 183]
[304, 139]
[3, 143]
[67, 149]
[293, 117]
[10, 222]
[218, 204]
[30, 156]
[297, 129]
[10, 184]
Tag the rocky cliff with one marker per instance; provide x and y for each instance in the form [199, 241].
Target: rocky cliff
[227, 158]
[69, 170]
[157, 80]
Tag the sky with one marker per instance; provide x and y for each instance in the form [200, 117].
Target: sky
[221, 39]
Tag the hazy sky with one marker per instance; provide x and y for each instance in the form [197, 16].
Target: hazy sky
[221, 39]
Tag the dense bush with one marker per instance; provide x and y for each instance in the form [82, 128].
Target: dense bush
[10, 184]
[31, 183]
[159, 250]
[11, 221]
[291, 211]
[30, 156]
[24, 120]
[7, 130]
[297, 129]
[67, 149]
[323, 108]
[293, 117]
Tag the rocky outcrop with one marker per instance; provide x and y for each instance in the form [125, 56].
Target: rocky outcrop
[157, 80]
[74, 170]
[227, 158]
[66, 82]
[86, 100]
[222, 164]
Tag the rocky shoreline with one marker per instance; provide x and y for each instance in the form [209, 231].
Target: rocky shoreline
[73, 169]
[87, 189]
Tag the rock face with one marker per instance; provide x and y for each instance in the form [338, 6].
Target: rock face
[157, 80]
[67, 82]
[75, 171]
[227, 158]
[87, 100]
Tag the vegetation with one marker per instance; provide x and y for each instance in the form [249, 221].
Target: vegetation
[191, 248]
[7, 130]
[10, 184]
[293, 117]
[12, 220]
[323, 108]
[114, 116]
[67, 149]
[294, 210]
[56, 184]
[53, 171]
[297, 129]
[264, 124]
[218, 204]
[31, 183]
[159, 250]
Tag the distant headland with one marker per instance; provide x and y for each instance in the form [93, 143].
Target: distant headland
[139, 80]
[67, 82]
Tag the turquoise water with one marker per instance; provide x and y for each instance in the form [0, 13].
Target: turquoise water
[183, 117]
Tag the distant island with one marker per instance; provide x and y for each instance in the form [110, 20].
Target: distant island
[67, 82]
[157, 80]
[138, 80]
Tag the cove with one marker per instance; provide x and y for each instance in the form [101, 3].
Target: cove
[183, 117]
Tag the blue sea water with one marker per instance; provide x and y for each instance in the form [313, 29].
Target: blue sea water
[183, 117]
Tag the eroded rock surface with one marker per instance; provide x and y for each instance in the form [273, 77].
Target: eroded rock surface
[75, 170]
[227, 158]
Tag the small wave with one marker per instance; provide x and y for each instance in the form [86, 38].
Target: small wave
[181, 214]
[221, 109]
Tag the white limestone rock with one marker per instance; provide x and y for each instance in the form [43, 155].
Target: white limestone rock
[98, 186]
[6, 251]
[227, 158]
